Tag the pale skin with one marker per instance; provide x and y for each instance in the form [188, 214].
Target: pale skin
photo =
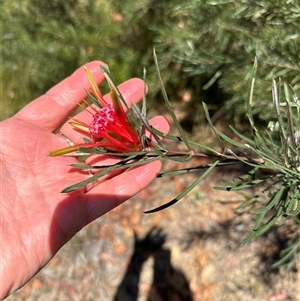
[36, 218]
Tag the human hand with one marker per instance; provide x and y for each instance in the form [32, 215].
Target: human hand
[36, 218]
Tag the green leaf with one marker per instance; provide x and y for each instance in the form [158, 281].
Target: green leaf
[277, 197]
[246, 162]
[212, 80]
[192, 169]
[276, 101]
[168, 104]
[241, 136]
[245, 185]
[146, 125]
[93, 100]
[218, 133]
[179, 139]
[185, 191]
[258, 231]
[103, 151]
[89, 180]
[81, 166]
[293, 203]
[290, 255]
[107, 169]
[255, 198]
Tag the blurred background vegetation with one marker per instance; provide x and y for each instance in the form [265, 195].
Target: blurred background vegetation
[206, 49]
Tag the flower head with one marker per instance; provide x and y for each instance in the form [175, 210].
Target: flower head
[109, 128]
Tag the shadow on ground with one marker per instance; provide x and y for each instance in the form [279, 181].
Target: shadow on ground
[168, 282]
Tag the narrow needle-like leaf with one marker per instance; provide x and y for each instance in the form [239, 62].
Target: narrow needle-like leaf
[168, 104]
[185, 191]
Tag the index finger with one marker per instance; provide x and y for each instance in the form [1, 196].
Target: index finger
[51, 110]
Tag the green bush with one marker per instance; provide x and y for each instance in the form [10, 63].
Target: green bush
[45, 41]
[205, 47]
[209, 46]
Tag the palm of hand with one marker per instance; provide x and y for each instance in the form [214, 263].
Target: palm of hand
[36, 219]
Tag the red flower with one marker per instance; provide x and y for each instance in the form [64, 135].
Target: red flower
[110, 127]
